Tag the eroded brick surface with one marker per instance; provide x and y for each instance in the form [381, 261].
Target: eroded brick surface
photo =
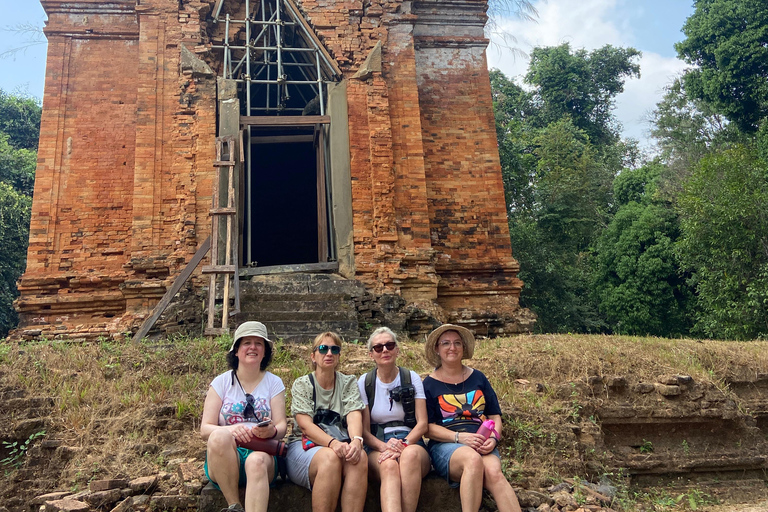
[124, 178]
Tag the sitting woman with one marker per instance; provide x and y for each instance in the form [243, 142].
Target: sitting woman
[242, 404]
[321, 462]
[394, 421]
[459, 400]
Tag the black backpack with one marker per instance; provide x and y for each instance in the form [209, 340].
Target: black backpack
[370, 390]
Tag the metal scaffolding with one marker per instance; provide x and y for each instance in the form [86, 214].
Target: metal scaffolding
[276, 58]
[281, 69]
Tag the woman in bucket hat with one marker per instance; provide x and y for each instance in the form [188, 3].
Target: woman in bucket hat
[244, 403]
[459, 400]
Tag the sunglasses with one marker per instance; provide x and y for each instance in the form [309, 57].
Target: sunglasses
[323, 349]
[249, 411]
[390, 346]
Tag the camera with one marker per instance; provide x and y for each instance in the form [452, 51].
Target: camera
[406, 395]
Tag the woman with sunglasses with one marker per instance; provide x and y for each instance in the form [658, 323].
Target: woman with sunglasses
[459, 400]
[244, 403]
[394, 421]
[321, 462]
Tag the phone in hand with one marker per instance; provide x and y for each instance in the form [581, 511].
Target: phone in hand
[264, 423]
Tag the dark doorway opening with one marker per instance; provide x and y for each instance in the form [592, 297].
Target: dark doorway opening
[283, 219]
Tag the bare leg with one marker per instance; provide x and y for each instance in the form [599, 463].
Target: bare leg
[414, 466]
[466, 467]
[355, 485]
[224, 464]
[325, 477]
[388, 472]
[259, 471]
[495, 481]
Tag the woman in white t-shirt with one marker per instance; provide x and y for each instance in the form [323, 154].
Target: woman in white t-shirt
[393, 424]
[237, 402]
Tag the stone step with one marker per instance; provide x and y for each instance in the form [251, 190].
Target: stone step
[295, 303]
[329, 316]
[435, 495]
[320, 287]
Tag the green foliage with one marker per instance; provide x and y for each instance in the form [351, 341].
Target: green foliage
[20, 120]
[727, 41]
[18, 450]
[636, 279]
[724, 221]
[14, 235]
[17, 166]
[582, 85]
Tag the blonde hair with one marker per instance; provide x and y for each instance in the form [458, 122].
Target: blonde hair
[319, 341]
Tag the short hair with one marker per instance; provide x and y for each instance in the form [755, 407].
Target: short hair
[319, 341]
[233, 361]
[382, 330]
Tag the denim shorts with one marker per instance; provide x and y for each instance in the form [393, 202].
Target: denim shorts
[398, 434]
[441, 453]
[242, 454]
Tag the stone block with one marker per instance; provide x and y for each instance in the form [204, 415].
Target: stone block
[105, 485]
[189, 471]
[177, 502]
[125, 505]
[667, 390]
[66, 505]
[103, 499]
[51, 496]
[644, 387]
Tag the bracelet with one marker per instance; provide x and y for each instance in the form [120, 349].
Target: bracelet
[331, 441]
[404, 441]
[456, 438]
[359, 438]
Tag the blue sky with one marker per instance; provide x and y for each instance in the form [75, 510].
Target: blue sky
[652, 26]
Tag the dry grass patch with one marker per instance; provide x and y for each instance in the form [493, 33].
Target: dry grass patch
[129, 409]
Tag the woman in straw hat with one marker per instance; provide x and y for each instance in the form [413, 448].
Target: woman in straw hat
[459, 400]
[395, 419]
[322, 462]
[244, 403]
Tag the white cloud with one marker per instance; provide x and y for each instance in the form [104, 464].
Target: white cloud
[588, 24]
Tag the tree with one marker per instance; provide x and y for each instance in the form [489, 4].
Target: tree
[20, 120]
[727, 41]
[637, 281]
[724, 243]
[14, 236]
[19, 129]
[582, 85]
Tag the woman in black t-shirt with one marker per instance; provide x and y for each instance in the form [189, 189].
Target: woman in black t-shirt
[459, 399]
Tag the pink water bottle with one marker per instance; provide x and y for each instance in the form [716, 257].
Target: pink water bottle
[487, 428]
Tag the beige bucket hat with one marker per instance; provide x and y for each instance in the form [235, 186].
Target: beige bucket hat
[430, 347]
[251, 329]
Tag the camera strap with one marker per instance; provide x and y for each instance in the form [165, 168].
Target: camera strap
[370, 391]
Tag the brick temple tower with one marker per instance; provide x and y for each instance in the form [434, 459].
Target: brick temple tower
[365, 148]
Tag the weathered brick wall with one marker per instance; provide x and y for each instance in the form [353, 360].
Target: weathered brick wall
[125, 176]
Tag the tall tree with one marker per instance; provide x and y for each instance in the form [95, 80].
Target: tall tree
[19, 129]
[637, 279]
[727, 41]
[582, 85]
[724, 243]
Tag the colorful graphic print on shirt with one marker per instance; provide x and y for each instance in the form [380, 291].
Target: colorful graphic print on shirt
[467, 407]
[233, 412]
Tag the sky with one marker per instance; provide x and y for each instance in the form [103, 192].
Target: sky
[651, 26]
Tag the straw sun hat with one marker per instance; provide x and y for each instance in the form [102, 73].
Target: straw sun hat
[430, 347]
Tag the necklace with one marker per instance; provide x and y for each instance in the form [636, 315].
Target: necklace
[449, 380]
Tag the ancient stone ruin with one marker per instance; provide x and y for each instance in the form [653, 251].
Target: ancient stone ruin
[364, 153]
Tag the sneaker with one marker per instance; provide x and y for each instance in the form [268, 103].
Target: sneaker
[235, 507]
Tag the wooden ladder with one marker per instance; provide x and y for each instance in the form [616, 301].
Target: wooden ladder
[226, 269]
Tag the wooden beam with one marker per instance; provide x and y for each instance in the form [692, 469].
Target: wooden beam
[284, 120]
[282, 139]
[173, 290]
